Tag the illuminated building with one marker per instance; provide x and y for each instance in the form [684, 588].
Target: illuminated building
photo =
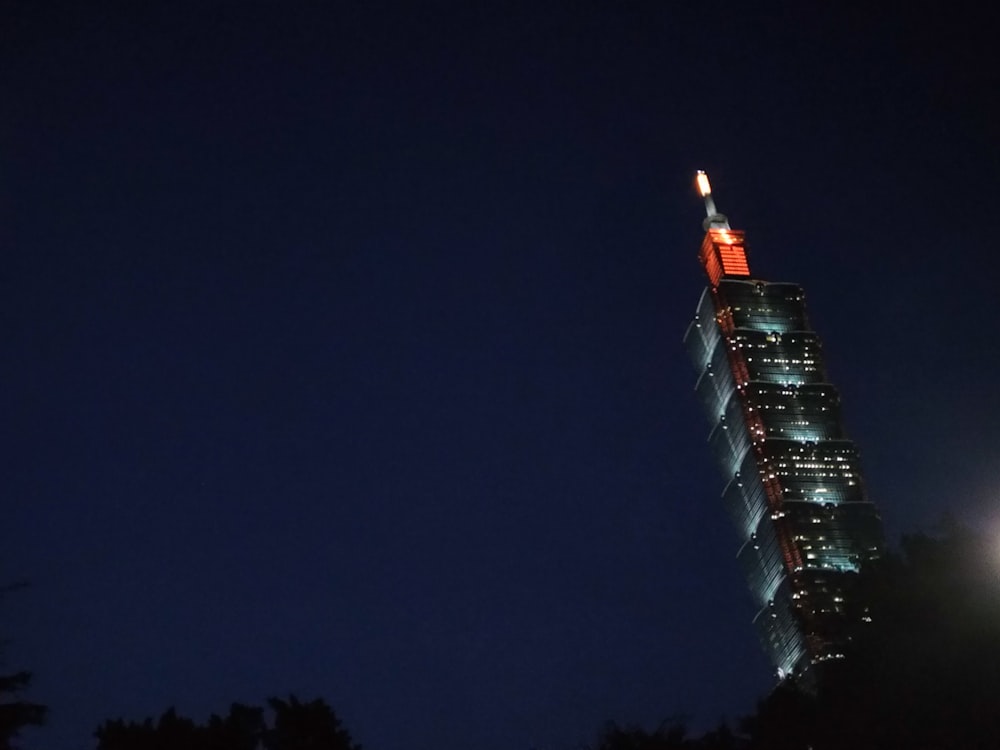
[794, 485]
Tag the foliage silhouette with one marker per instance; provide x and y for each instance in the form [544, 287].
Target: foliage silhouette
[295, 726]
[670, 735]
[302, 726]
[16, 713]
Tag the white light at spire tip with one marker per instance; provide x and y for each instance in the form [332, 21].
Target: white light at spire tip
[703, 187]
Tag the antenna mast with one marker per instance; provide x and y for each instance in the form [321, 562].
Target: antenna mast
[713, 219]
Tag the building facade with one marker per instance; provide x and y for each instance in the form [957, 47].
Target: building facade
[794, 487]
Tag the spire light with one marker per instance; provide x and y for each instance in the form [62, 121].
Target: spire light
[703, 185]
[713, 219]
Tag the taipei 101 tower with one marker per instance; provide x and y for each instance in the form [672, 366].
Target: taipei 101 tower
[793, 483]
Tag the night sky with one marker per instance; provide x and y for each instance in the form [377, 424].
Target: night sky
[342, 342]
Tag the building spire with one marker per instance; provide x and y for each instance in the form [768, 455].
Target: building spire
[713, 219]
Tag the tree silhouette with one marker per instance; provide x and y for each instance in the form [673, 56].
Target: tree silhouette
[668, 736]
[16, 713]
[306, 726]
[295, 726]
[786, 720]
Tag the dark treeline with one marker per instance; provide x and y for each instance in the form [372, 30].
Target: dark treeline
[922, 671]
[291, 725]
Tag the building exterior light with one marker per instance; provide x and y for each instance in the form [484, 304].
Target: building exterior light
[801, 504]
[703, 185]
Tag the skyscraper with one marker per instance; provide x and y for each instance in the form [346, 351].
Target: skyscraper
[793, 481]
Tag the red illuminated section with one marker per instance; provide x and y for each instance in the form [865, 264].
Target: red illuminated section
[723, 254]
[741, 375]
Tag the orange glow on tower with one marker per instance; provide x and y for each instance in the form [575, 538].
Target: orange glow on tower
[723, 254]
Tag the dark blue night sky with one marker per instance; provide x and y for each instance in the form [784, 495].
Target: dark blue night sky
[342, 342]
